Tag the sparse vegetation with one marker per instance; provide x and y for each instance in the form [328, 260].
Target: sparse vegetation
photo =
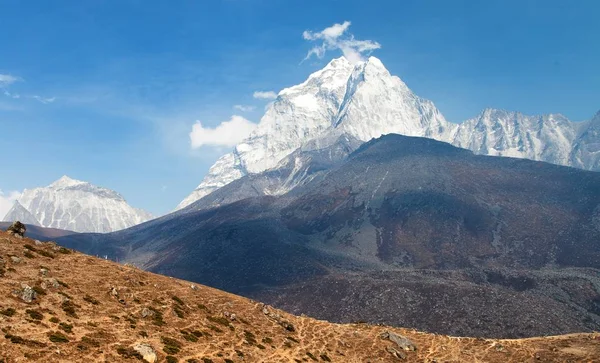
[325, 358]
[157, 317]
[128, 352]
[8, 312]
[189, 337]
[250, 337]
[89, 341]
[178, 300]
[38, 290]
[267, 340]
[171, 359]
[219, 320]
[311, 356]
[292, 339]
[207, 360]
[54, 319]
[66, 327]
[203, 307]
[62, 283]
[56, 337]
[15, 339]
[180, 314]
[28, 254]
[91, 300]
[215, 329]
[69, 308]
[144, 334]
[34, 314]
[64, 251]
[171, 346]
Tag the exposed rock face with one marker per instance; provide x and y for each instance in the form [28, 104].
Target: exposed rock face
[403, 342]
[17, 229]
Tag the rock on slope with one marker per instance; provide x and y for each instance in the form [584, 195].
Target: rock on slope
[365, 101]
[61, 306]
[75, 205]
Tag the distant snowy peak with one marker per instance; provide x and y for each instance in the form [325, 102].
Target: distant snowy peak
[76, 205]
[19, 213]
[503, 133]
[362, 100]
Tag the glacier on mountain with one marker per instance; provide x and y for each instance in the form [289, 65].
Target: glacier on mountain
[364, 101]
[75, 205]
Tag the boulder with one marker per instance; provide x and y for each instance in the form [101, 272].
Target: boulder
[148, 353]
[403, 342]
[27, 293]
[17, 229]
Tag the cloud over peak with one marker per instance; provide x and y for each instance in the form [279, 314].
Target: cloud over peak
[265, 95]
[337, 37]
[7, 201]
[227, 133]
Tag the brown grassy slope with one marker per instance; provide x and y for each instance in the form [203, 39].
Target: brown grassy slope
[89, 310]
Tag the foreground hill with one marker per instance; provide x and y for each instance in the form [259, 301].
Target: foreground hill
[402, 221]
[62, 306]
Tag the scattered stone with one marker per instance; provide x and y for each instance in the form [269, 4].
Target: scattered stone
[403, 342]
[396, 353]
[194, 287]
[114, 292]
[38, 242]
[15, 259]
[147, 352]
[17, 229]
[147, 312]
[53, 282]
[27, 293]
[44, 271]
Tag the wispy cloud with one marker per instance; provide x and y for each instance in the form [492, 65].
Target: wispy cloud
[265, 95]
[244, 108]
[7, 79]
[337, 37]
[227, 133]
[7, 201]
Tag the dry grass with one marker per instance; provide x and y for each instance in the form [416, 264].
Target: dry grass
[80, 320]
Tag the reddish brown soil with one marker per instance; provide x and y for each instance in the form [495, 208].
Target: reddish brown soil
[100, 324]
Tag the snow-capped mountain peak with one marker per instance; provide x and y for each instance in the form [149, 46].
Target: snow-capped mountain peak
[365, 101]
[76, 205]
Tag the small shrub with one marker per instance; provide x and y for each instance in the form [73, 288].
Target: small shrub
[143, 334]
[157, 318]
[197, 333]
[64, 251]
[171, 359]
[91, 300]
[267, 340]
[30, 247]
[178, 300]
[54, 319]
[202, 307]
[260, 346]
[215, 329]
[207, 360]
[89, 341]
[228, 360]
[57, 337]
[38, 290]
[28, 254]
[192, 360]
[128, 352]
[66, 327]
[292, 339]
[239, 353]
[325, 358]
[180, 314]
[189, 337]
[69, 308]
[8, 312]
[45, 253]
[19, 340]
[250, 337]
[62, 283]
[171, 346]
[219, 320]
[65, 295]
[311, 356]
[34, 314]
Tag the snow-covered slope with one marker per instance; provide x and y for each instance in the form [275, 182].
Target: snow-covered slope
[502, 133]
[362, 100]
[365, 101]
[19, 213]
[77, 206]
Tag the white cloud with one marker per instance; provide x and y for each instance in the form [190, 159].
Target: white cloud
[265, 95]
[332, 38]
[7, 79]
[7, 201]
[228, 133]
[44, 100]
[244, 108]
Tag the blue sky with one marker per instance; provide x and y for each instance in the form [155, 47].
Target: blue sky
[108, 91]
